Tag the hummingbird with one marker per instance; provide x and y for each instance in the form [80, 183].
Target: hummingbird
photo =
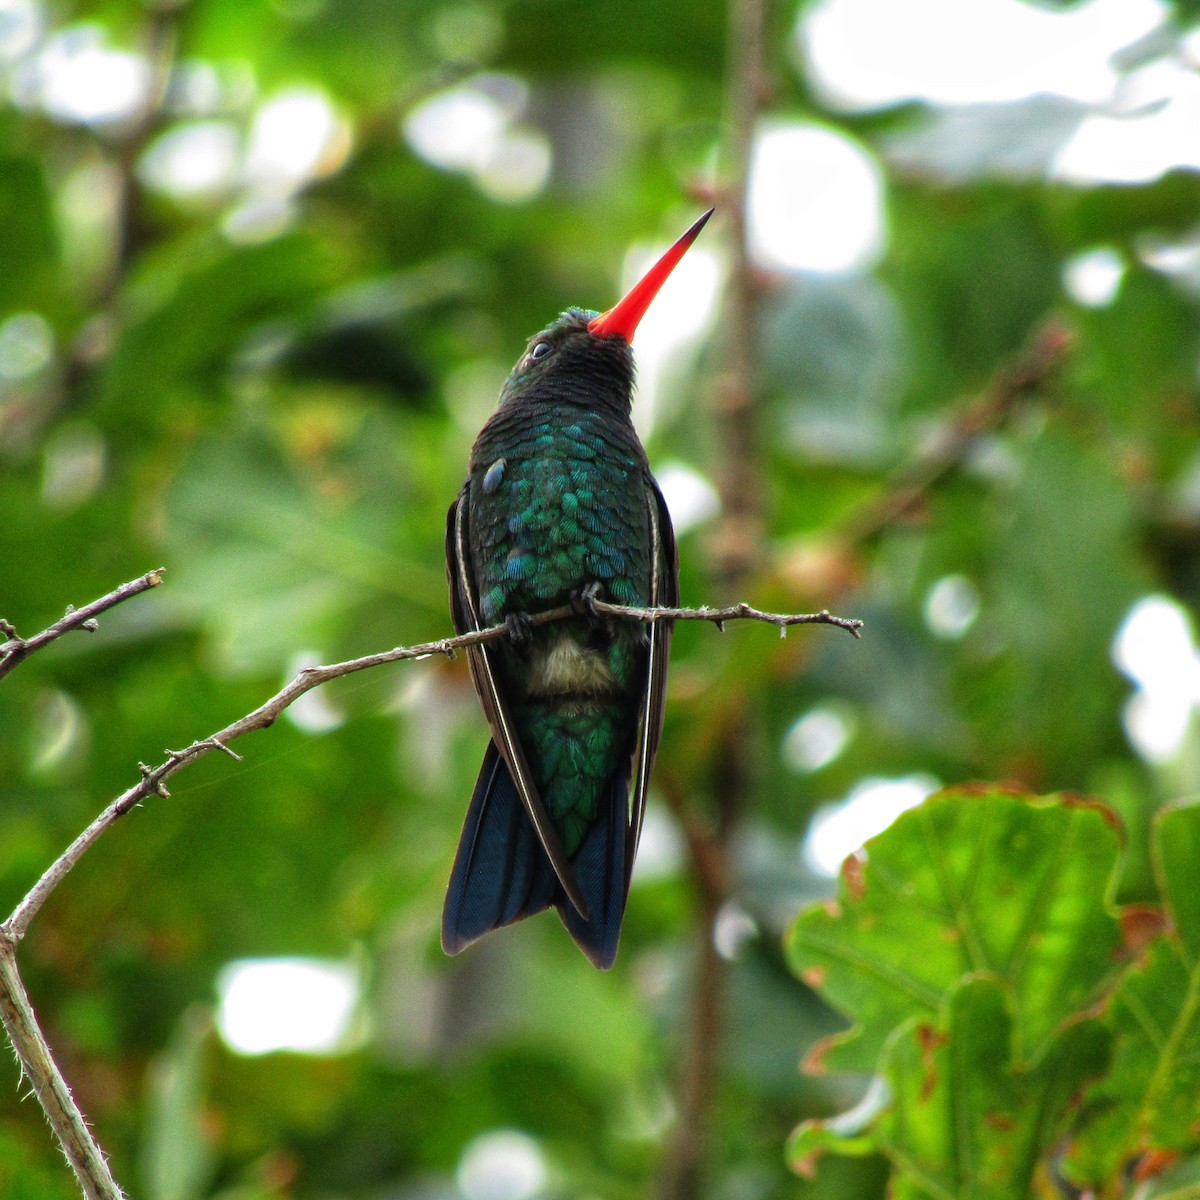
[560, 507]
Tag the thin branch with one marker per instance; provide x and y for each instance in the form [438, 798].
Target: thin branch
[734, 612]
[16, 649]
[82, 1151]
[38, 1065]
[154, 779]
[1009, 388]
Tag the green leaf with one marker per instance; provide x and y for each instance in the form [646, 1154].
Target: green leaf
[953, 1109]
[968, 882]
[1148, 1101]
[968, 1121]
[1176, 855]
[849, 1134]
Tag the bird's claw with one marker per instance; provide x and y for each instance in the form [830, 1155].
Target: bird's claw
[520, 628]
[583, 600]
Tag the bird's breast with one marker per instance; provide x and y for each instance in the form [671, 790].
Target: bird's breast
[555, 506]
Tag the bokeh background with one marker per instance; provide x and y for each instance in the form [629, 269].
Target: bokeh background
[263, 267]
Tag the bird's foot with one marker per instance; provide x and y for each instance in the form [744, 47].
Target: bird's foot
[583, 600]
[520, 628]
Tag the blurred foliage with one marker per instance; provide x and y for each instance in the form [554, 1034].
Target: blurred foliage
[267, 382]
[1017, 1051]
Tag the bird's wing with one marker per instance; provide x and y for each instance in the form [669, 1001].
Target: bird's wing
[464, 609]
[664, 591]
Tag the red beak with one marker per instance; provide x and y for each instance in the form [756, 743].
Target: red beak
[623, 319]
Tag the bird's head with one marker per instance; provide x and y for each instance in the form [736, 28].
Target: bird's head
[584, 353]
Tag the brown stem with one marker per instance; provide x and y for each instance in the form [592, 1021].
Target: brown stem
[50, 1088]
[736, 549]
[16, 649]
[1011, 386]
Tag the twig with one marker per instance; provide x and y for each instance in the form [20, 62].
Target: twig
[82, 1151]
[1012, 385]
[735, 612]
[153, 779]
[38, 1065]
[16, 649]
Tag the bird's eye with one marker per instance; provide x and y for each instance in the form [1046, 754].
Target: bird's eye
[540, 350]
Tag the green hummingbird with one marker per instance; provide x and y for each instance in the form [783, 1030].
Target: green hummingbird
[560, 508]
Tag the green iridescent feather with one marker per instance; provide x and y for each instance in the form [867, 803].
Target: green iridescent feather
[559, 504]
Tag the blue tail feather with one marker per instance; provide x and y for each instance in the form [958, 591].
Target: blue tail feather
[600, 871]
[501, 873]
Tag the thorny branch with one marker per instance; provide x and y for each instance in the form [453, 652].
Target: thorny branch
[16, 1013]
[17, 649]
[38, 1066]
[154, 779]
[37, 1063]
